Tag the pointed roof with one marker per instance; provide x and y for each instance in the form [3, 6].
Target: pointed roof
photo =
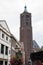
[4, 25]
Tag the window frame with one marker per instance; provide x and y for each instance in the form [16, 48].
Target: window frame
[7, 38]
[6, 50]
[3, 35]
[2, 49]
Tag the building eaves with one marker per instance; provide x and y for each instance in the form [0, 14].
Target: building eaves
[12, 36]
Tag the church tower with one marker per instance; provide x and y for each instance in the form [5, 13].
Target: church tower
[26, 33]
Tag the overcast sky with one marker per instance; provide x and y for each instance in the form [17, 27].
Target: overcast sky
[10, 11]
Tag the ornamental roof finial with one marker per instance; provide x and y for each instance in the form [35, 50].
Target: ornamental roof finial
[25, 9]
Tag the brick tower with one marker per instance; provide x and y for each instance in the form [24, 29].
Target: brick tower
[26, 33]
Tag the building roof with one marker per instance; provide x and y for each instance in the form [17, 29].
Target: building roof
[12, 36]
[35, 44]
[4, 25]
[36, 56]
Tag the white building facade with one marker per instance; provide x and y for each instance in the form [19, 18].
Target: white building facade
[5, 44]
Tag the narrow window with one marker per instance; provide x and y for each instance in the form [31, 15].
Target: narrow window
[5, 62]
[2, 35]
[2, 48]
[1, 62]
[6, 38]
[6, 50]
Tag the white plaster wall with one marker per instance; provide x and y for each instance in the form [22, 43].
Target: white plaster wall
[4, 56]
[1, 55]
[9, 47]
[0, 47]
[0, 33]
[3, 23]
[9, 56]
[4, 41]
[2, 28]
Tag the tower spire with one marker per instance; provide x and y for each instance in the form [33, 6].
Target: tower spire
[25, 9]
